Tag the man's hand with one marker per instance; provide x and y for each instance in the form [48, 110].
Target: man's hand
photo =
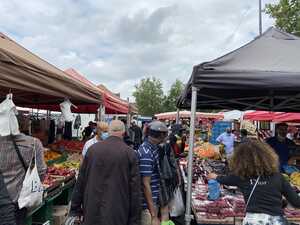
[155, 221]
[212, 176]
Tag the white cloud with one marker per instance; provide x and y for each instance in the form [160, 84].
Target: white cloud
[119, 42]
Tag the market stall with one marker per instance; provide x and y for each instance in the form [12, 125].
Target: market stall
[34, 83]
[245, 79]
[229, 208]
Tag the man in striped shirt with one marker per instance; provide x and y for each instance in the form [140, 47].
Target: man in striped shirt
[150, 170]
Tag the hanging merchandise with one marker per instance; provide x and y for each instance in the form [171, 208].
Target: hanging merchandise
[68, 131]
[60, 128]
[51, 135]
[8, 120]
[77, 122]
[66, 110]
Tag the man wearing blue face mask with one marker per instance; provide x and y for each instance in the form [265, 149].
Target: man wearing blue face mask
[101, 135]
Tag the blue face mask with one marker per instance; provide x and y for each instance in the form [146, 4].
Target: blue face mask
[104, 135]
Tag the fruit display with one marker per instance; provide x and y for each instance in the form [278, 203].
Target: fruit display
[49, 181]
[230, 204]
[205, 150]
[295, 178]
[71, 146]
[51, 155]
[60, 172]
[70, 164]
[227, 206]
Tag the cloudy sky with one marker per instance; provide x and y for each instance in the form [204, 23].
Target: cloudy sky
[118, 42]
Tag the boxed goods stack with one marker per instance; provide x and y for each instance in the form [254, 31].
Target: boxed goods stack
[218, 128]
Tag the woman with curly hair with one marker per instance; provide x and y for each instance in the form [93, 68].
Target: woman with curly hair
[254, 170]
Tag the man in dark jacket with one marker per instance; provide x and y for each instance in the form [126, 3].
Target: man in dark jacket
[107, 191]
[7, 209]
[136, 135]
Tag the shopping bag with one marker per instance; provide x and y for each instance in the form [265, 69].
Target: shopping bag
[169, 222]
[213, 190]
[31, 194]
[177, 206]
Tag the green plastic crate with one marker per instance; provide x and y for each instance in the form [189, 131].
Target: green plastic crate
[45, 213]
[66, 195]
[59, 160]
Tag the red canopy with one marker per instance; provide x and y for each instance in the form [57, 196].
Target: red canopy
[113, 104]
[261, 115]
[288, 117]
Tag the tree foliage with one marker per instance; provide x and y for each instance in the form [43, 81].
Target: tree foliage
[149, 96]
[172, 96]
[286, 14]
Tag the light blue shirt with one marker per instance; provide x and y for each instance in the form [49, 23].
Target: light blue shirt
[227, 140]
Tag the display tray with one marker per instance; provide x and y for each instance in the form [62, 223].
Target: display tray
[55, 185]
[53, 193]
[53, 190]
[70, 182]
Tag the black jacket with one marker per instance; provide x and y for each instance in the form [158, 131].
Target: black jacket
[7, 209]
[267, 196]
[108, 188]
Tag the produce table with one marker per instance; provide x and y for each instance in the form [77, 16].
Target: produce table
[229, 209]
[59, 194]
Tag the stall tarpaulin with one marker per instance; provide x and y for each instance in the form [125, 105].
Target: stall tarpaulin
[262, 115]
[35, 82]
[113, 104]
[288, 118]
[187, 114]
[263, 74]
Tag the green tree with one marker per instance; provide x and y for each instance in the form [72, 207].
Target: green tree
[172, 96]
[286, 14]
[149, 96]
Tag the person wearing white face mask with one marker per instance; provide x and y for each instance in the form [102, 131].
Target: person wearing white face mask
[101, 134]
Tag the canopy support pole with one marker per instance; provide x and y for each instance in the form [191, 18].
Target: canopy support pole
[128, 115]
[177, 116]
[188, 216]
[259, 17]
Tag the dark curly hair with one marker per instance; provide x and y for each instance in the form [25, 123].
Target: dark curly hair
[254, 158]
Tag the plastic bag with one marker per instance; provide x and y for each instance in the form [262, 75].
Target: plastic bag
[177, 206]
[32, 190]
[169, 222]
[213, 190]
